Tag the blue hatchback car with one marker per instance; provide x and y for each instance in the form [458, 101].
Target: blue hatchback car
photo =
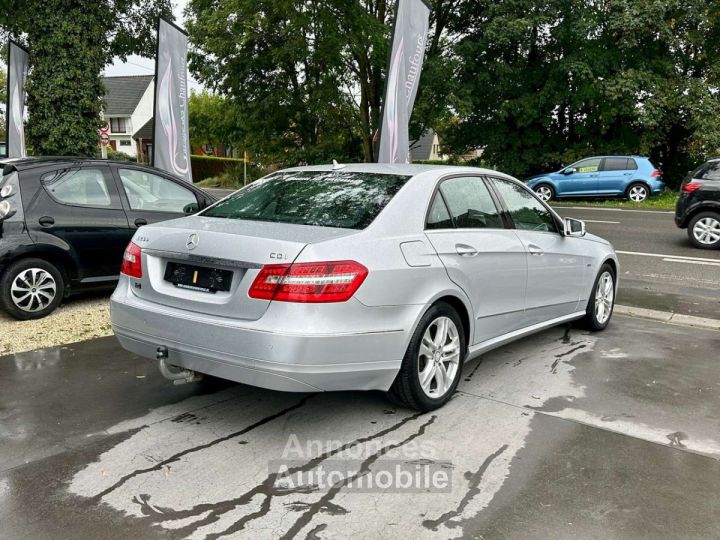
[633, 177]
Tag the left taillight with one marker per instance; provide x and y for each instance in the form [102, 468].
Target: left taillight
[318, 282]
[132, 261]
[656, 174]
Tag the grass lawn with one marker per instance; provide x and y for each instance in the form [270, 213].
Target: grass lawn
[665, 201]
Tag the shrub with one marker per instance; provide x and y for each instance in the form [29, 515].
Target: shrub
[210, 166]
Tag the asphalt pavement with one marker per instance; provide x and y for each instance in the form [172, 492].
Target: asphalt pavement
[562, 435]
[659, 268]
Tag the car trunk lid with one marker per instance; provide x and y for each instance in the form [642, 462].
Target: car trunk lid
[238, 247]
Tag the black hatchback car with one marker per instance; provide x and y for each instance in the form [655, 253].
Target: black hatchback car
[698, 209]
[65, 223]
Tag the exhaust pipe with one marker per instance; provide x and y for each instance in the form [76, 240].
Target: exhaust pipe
[176, 374]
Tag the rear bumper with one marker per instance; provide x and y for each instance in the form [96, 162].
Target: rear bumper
[297, 359]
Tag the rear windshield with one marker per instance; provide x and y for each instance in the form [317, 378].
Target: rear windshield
[709, 171]
[349, 200]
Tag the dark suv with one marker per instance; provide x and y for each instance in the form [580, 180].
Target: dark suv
[698, 209]
[65, 223]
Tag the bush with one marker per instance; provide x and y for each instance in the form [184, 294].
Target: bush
[210, 166]
[118, 156]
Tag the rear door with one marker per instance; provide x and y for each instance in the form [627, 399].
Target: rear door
[150, 197]
[80, 206]
[582, 182]
[614, 175]
[556, 264]
[481, 255]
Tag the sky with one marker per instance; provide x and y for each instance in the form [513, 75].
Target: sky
[137, 65]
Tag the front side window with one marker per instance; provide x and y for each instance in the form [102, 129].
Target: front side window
[349, 200]
[587, 165]
[146, 191]
[83, 187]
[526, 211]
[470, 203]
[616, 164]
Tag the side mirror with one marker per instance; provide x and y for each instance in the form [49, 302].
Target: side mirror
[574, 227]
[569, 171]
[191, 208]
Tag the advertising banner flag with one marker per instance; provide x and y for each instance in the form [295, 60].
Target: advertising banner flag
[18, 62]
[171, 129]
[407, 53]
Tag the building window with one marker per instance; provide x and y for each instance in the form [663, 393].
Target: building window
[118, 125]
[124, 142]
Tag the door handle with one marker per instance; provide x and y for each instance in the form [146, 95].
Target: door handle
[465, 251]
[46, 221]
[535, 250]
[139, 222]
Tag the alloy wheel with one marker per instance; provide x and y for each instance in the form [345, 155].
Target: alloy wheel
[707, 231]
[638, 193]
[439, 357]
[33, 289]
[544, 193]
[604, 297]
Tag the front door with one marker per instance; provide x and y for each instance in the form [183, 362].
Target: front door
[556, 264]
[80, 206]
[483, 257]
[580, 179]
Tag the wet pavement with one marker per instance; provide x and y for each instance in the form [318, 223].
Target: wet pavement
[562, 435]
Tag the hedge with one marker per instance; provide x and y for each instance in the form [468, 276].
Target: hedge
[208, 166]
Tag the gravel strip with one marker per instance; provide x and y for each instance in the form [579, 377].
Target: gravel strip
[77, 320]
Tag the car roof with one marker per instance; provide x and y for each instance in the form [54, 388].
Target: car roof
[31, 162]
[403, 169]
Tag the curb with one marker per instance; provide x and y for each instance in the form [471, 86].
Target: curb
[669, 317]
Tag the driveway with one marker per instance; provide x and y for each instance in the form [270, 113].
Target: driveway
[565, 434]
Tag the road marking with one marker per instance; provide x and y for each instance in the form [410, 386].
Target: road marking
[600, 221]
[614, 209]
[686, 261]
[662, 256]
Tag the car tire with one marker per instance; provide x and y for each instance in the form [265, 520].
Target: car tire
[31, 289]
[601, 303]
[637, 192]
[429, 373]
[545, 192]
[704, 230]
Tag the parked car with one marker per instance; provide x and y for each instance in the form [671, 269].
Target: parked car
[632, 177]
[362, 277]
[65, 222]
[698, 208]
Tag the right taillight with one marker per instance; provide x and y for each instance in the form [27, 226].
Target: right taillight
[318, 282]
[690, 187]
[132, 261]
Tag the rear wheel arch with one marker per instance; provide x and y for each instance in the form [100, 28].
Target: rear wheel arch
[642, 183]
[700, 209]
[459, 306]
[61, 261]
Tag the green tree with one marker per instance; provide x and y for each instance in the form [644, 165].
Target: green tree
[544, 83]
[212, 120]
[70, 43]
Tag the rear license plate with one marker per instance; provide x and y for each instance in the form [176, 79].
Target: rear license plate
[198, 278]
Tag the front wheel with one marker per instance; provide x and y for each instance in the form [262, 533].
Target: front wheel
[638, 193]
[545, 193]
[602, 300]
[704, 230]
[431, 368]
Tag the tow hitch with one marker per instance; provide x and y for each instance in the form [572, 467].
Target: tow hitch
[177, 375]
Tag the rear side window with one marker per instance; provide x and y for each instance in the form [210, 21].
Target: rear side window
[470, 203]
[439, 217]
[618, 164]
[82, 187]
[349, 200]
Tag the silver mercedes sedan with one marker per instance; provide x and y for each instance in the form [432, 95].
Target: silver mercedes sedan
[358, 277]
